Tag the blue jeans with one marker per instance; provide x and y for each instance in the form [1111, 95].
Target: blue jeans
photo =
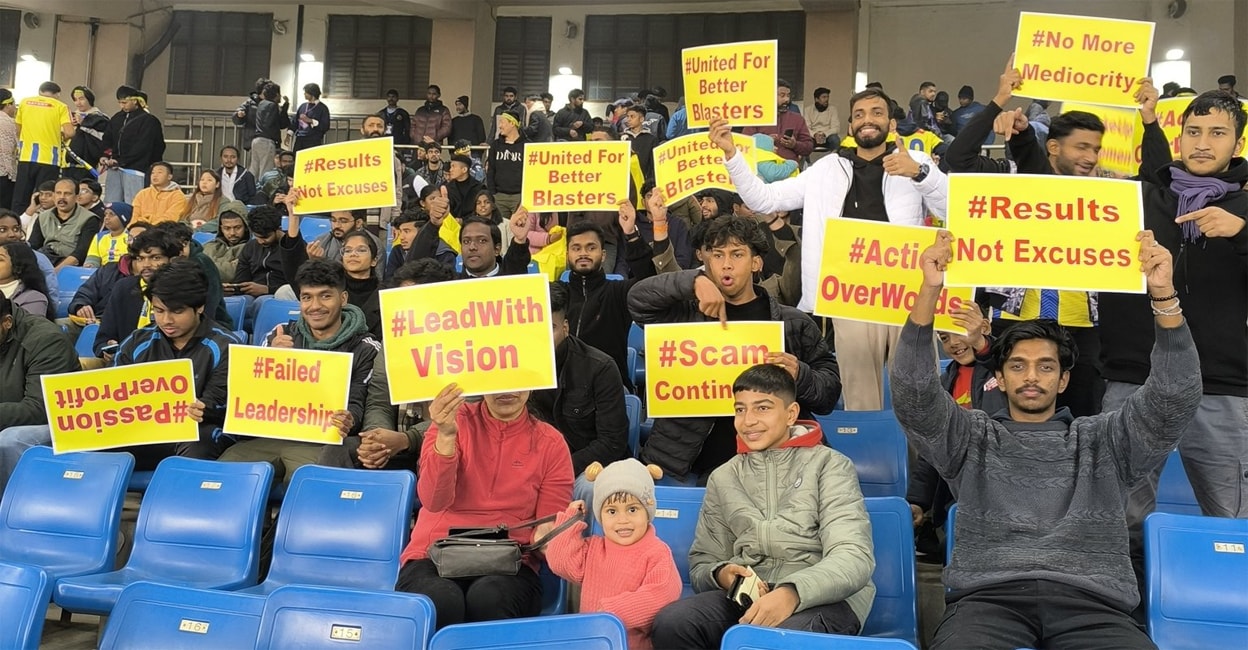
[14, 441]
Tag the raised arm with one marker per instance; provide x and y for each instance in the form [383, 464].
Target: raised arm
[787, 194]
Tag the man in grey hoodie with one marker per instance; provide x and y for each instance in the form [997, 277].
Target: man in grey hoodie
[1042, 555]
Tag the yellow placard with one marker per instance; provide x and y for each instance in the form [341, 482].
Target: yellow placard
[286, 393]
[690, 367]
[352, 175]
[1170, 118]
[735, 81]
[1082, 59]
[690, 163]
[489, 335]
[869, 272]
[1119, 146]
[138, 404]
[1045, 232]
[575, 176]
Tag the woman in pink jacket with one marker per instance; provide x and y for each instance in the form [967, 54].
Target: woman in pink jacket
[481, 465]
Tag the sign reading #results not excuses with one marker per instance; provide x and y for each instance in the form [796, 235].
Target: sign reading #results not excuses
[733, 81]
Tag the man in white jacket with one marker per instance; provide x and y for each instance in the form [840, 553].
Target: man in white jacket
[876, 181]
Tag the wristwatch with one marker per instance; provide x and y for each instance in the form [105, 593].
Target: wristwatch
[924, 168]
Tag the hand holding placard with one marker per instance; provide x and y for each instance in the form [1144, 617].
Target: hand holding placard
[1009, 81]
[443, 411]
[1147, 97]
[721, 134]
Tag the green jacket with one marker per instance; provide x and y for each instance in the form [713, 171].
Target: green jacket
[33, 348]
[796, 516]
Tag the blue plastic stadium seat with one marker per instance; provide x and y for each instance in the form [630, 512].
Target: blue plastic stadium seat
[752, 637]
[893, 614]
[1174, 491]
[316, 618]
[312, 227]
[84, 346]
[675, 520]
[949, 528]
[150, 616]
[1195, 568]
[273, 313]
[534, 269]
[873, 440]
[24, 593]
[68, 280]
[563, 277]
[630, 363]
[61, 513]
[203, 237]
[199, 526]
[236, 307]
[554, 592]
[632, 407]
[571, 632]
[341, 528]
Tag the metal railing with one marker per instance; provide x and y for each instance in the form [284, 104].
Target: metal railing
[195, 137]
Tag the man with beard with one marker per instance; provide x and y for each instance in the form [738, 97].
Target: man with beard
[374, 126]
[875, 181]
[398, 120]
[573, 122]
[824, 122]
[65, 232]
[232, 236]
[432, 121]
[511, 103]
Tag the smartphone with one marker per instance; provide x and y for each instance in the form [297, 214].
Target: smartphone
[745, 590]
[110, 349]
[788, 133]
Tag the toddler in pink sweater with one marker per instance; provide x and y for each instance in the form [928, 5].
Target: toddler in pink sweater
[629, 571]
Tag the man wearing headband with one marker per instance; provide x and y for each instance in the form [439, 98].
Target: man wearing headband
[90, 123]
[134, 137]
[42, 126]
[8, 147]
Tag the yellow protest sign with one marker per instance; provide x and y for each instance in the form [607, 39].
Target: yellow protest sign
[138, 404]
[489, 335]
[1119, 153]
[575, 176]
[1045, 232]
[287, 393]
[1082, 59]
[690, 367]
[1170, 119]
[735, 81]
[691, 163]
[869, 272]
[351, 175]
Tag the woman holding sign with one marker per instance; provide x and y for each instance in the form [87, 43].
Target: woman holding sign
[483, 464]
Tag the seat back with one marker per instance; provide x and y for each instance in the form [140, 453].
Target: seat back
[69, 279]
[876, 444]
[150, 616]
[949, 528]
[61, 513]
[204, 237]
[632, 407]
[1195, 569]
[554, 592]
[752, 637]
[342, 527]
[201, 521]
[86, 340]
[676, 519]
[24, 593]
[637, 341]
[894, 613]
[312, 227]
[273, 313]
[571, 632]
[1174, 491]
[310, 618]
[236, 307]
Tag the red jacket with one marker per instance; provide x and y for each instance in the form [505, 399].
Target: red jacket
[501, 473]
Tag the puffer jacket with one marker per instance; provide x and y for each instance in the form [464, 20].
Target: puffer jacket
[812, 531]
[675, 443]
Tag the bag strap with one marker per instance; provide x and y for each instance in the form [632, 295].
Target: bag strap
[537, 544]
[502, 528]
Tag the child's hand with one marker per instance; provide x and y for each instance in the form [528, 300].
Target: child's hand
[576, 507]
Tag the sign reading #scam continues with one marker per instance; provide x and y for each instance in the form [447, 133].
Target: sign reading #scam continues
[1082, 59]
[575, 176]
[490, 335]
[139, 404]
[690, 367]
[733, 81]
[287, 393]
[870, 272]
[353, 175]
[1045, 232]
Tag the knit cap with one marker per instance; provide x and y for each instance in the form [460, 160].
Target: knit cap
[123, 211]
[628, 476]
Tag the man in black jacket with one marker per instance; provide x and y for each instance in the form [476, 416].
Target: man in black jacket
[135, 138]
[587, 406]
[573, 122]
[326, 322]
[466, 126]
[127, 309]
[733, 249]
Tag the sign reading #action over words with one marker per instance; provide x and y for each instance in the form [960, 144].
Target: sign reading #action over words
[691, 163]
[351, 175]
[870, 272]
[1045, 232]
[139, 404]
[286, 393]
[1121, 148]
[575, 176]
[490, 335]
[1082, 59]
[690, 367]
[735, 81]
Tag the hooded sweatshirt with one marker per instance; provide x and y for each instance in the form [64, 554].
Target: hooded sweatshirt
[159, 204]
[500, 473]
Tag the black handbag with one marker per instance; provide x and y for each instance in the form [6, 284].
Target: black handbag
[488, 551]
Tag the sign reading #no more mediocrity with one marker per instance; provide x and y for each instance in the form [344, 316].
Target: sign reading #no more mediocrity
[1082, 59]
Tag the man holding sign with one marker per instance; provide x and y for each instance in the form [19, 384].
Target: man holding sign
[876, 181]
[733, 249]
